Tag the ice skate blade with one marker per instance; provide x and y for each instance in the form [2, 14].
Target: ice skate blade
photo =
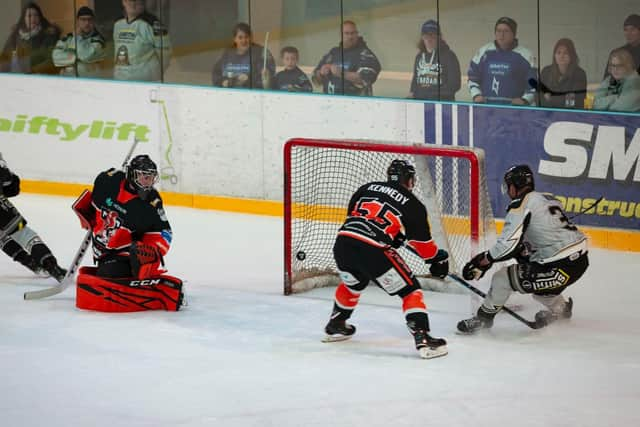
[336, 338]
[432, 353]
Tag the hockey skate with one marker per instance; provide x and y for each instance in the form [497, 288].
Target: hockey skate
[338, 330]
[52, 267]
[428, 346]
[474, 324]
[545, 317]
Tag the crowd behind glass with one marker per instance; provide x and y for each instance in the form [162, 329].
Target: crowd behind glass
[503, 71]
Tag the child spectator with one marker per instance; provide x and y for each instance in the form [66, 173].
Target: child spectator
[292, 78]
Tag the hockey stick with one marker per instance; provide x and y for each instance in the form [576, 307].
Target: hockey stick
[77, 259]
[584, 211]
[529, 323]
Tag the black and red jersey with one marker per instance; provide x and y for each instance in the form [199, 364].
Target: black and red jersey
[122, 217]
[383, 214]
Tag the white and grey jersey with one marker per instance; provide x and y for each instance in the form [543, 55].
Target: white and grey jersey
[539, 220]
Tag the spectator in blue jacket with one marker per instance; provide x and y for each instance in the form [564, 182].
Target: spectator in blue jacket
[500, 71]
[436, 69]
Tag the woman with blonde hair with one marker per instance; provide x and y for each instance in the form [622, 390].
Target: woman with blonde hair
[620, 91]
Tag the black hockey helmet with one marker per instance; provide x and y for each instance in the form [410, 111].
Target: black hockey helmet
[141, 167]
[520, 176]
[400, 171]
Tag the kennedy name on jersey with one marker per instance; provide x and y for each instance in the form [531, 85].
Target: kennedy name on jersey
[391, 192]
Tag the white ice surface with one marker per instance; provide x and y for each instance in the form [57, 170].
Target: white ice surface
[242, 354]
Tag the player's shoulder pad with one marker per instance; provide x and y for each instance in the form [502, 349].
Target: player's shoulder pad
[155, 200]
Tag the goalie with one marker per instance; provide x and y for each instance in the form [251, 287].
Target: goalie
[381, 217]
[550, 250]
[130, 235]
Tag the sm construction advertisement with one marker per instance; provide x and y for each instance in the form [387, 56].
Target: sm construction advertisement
[576, 156]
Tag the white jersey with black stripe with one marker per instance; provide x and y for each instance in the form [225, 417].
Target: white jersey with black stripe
[539, 220]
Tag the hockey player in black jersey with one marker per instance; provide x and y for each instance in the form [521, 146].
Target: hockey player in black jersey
[130, 235]
[17, 239]
[383, 216]
[550, 251]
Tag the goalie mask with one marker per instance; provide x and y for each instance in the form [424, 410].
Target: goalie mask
[521, 177]
[142, 174]
[401, 171]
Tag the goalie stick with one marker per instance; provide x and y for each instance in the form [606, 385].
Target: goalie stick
[530, 323]
[77, 259]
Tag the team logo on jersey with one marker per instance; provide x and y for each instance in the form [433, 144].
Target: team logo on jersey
[122, 58]
[110, 223]
[495, 86]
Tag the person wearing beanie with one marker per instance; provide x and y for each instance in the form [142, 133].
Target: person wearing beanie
[436, 69]
[82, 54]
[500, 71]
[631, 28]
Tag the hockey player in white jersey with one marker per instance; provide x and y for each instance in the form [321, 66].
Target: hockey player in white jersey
[551, 254]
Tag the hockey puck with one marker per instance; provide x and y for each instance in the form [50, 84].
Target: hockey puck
[301, 255]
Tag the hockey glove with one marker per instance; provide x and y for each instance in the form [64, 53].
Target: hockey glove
[398, 241]
[478, 265]
[439, 264]
[523, 252]
[145, 260]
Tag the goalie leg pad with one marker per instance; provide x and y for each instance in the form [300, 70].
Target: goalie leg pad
[127, 295]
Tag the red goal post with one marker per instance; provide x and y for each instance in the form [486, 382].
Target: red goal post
[321, 175]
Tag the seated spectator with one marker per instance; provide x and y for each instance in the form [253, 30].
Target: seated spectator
[82, 54]
[29, 46]
[350, 68]
[620, 91]
[564, 83]
[500, 71]
[631, 28]
[243, 65]
[292, 78]
[142, 49]
[436, 70]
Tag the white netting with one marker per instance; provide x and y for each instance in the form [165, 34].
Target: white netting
[322, 180]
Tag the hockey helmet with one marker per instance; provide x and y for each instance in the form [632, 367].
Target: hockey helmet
[400, 171]
[520, 176]
[142, 174]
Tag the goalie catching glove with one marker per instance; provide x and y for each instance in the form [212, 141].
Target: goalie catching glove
[479, 264]
[145, 260]
[439, 264]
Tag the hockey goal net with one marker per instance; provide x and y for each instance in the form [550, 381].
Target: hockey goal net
[322, 175]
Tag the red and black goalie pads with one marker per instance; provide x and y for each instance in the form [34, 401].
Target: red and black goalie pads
[128, 294]
[85, 210]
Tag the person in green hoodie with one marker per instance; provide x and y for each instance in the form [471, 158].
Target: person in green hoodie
[620, 91]
[142, 49]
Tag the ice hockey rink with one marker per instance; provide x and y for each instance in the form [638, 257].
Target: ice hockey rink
[242, 354]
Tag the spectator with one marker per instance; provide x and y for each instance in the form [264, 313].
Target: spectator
[620, 91]
[82, 54]
[564, 83]
[28, 48]
[243, 65]
[631, 29]
[436, 70]
[141, 44]
[500, 71]
[292, 78]
[350, 68]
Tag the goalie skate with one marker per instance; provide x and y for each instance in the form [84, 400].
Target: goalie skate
[338, 331]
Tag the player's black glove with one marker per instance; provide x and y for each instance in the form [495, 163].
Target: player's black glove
[439, 264]
[478, 265]
[398, 241]
[523, 252]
